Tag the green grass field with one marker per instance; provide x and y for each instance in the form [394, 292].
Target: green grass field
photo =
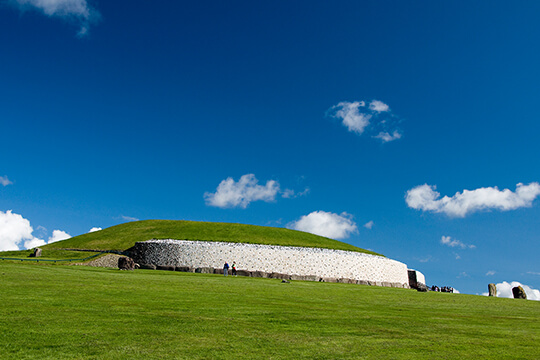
[77, 312]
[124, 236]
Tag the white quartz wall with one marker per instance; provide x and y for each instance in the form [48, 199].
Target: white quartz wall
[420, 277]
[324, 263]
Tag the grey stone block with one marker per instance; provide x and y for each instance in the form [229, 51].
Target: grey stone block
[184, 268]
[148, 266]
[165, 267]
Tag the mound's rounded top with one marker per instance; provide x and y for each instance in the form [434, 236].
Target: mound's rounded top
[124, 236]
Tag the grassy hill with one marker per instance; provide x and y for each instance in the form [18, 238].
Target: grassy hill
[77, 312]
[124, 236]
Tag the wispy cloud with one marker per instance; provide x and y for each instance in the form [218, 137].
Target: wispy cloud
[425, 198]
[331, 225]
[128, 218]
[369, 225]
[4, 181]
[378, 106]
[533, 273]
[78, 12]
[426, 259]
[448, 241]
[291, 194]
[386, 137]
[490, 273]
[357, 117]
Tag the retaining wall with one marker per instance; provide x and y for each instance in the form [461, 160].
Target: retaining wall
[312, 263]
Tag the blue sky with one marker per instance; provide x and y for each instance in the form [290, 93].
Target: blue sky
[343, 119]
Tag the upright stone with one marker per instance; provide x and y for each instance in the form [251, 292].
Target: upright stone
[492, 290]
[519, 293]
[36, 253]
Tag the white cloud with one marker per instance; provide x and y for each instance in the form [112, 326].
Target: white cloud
[230, 194]
[326, 224]
[13, 230]
[490, 273]
[58, 235]
[5, 181]
[369, 225]
[386, 137]
[351, 116]
[16, 233]
[447, 240]
[424, 197]
[376, 117]
[504, 290]
[35, 242]
[378, 106]
[95, 229]
[533, 273]
[75, 11]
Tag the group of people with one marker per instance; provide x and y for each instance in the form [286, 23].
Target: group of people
[232, 267]
[448, 289]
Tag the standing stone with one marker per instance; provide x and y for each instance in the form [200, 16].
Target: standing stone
[519, 293]
[126, 263]
[36, 253]
[492, 290]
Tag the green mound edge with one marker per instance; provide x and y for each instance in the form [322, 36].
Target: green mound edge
[124, 236]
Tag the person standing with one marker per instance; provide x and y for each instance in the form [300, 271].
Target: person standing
[234, 268]
[225, 269]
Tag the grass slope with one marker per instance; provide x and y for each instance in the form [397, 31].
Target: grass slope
[72, 312]
[124, 236]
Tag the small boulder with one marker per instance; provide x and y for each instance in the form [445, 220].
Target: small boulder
[492, 289]
[285, 281]
[519, 293]
[421, 287]
[126, 263]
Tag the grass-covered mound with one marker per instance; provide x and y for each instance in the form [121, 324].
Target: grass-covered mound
[77, 312]
[124, 236]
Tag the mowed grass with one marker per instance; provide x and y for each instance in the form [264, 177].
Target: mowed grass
[124, 236]
[77, 312]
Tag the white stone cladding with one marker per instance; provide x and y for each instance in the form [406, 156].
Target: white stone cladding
[420, 277]
[323, 263]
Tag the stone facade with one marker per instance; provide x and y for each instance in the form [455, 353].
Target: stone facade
[301, 262]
